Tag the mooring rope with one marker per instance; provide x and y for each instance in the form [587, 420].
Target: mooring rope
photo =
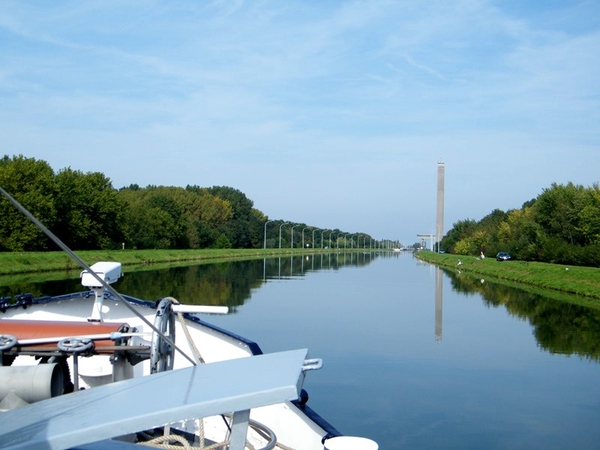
[165, 442]
[188, 336]
[160, 441]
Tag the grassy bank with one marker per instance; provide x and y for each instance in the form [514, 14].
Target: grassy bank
[583, 281]
[13, 263]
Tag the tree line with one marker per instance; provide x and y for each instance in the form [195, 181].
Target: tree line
[87, 213]
[561, 225]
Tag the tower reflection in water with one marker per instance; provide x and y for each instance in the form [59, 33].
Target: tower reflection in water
[439, 277]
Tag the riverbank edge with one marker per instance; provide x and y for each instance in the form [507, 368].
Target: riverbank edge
[581, 281]
[17, 263]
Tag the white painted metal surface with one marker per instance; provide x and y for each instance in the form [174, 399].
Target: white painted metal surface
[124, 407]
[106, 270]
[350, 443]
[200, 309]
[291, 425]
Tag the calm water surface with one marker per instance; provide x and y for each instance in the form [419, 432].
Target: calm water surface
[414, 357]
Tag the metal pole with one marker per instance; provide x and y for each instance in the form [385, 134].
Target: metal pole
[284, 223]
[303, 235]
[292, 245]
[265, 244]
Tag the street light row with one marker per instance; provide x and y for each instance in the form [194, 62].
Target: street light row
[323, 231]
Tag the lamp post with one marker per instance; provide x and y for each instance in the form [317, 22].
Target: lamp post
[284, 223]
[313, 241]
[303, 235]
[330, 233]
[323, 231]
[265, 245]
[292, 245]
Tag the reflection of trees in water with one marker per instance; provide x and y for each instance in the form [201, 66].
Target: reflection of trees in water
[294, 266]
[559, 326]
[227, 283]
[223, 283]
[21, 285]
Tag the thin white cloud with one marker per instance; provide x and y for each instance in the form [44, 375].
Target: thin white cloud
[338, 96]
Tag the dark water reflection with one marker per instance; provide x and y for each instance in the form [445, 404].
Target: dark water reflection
[224, 283]
[558, 327]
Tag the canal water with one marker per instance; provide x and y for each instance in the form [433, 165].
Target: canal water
[414, 356]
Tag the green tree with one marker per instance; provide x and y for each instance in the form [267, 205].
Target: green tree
[89, 211]
[520, 234]
[459, 231]
[222, 242]
[205, 214]
[561, 225]
[589, 215]
[488, 228]
[174, 217]
[153, 217]
[31, 183]
[243, 229]
[557, 212]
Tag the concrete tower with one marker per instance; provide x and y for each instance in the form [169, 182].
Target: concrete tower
[439, 221]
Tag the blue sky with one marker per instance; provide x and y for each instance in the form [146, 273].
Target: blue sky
[331, 113]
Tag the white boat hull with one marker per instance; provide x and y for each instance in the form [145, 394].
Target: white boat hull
[295, 425]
